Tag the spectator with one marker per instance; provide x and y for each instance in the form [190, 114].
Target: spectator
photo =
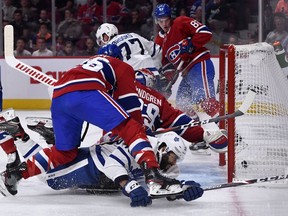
[68, 50]
[217, 15]
[20, 48]
[282, 7]
[279, 33]
[146, 29]
[194, 7]
[42, 50]
[268, 20]
[28, 37]
[134, 22]
[19, 24]
[60, 43]
[44, 33]
[43, 19]
[90, 47]
[29, 13]
[116, 12]
[8, 10]
[62, 6]
[70, 28]
[233, 39]
[87, 15]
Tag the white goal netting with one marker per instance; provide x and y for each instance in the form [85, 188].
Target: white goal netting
[261, 135]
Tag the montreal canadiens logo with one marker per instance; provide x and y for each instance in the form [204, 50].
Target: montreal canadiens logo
[173, 53]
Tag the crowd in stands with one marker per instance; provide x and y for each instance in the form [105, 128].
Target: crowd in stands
[77, 22]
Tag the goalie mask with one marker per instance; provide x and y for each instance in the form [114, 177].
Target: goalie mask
[105, 33]
[167, 143]
[145, 77]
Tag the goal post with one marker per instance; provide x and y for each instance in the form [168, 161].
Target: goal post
[258, 140]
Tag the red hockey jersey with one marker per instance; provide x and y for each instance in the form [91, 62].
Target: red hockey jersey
[106, 74]
[182, 28]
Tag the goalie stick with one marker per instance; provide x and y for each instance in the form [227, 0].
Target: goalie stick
[17, 64]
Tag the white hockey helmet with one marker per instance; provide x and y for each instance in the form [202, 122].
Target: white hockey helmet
[174, 143]
[145, 77]
[105, 29]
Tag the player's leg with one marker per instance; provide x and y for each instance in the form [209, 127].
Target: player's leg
[197, 88]
[80, 173]
[48, 158]
[102, 110]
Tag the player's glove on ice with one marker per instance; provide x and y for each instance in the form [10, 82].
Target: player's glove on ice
[191, 191]
[186, 49]
[137, 194]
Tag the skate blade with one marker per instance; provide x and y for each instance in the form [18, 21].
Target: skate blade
[155, 190]
[203, 152]
[33, 121]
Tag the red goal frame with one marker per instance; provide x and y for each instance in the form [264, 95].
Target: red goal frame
[227, 104]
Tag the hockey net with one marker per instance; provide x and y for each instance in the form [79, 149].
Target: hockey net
[258, 141]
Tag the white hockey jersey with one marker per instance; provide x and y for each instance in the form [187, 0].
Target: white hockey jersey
[137, 51]
[121, 163]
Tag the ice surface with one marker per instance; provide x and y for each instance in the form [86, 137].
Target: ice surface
[36, 198]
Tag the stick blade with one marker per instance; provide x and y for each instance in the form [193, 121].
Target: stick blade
[248, 101]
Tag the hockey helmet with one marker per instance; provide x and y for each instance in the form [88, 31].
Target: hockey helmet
[107, 29]
[111, 50]
[145, 77]
[174, 143]
[161, 11]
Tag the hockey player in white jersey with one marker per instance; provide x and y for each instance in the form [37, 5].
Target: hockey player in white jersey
[93, 165]
[136, 50]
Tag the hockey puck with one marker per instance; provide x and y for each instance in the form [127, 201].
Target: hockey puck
[244, 164]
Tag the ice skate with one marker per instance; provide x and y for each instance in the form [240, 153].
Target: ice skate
[158, 184]
[200, 148]
[12, 174]
[10, 123]
[42, 126]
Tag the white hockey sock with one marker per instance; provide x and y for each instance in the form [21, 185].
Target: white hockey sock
[28, 148]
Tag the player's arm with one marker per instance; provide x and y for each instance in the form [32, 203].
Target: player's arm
[126, 92]
[116, 168]
[201, 34]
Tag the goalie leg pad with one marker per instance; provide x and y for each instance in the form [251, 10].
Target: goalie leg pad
[217, 140]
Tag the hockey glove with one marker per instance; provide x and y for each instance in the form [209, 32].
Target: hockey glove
[191, 191]
[186, 49]
[137, 194]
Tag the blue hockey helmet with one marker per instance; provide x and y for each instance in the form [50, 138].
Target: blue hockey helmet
[162, 10]
[145, 77]
[111, 50]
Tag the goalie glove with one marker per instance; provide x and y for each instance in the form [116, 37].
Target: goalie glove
[138, 195]
[191, 191]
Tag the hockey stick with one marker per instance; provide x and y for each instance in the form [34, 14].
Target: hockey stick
[228, 185]
[18, 65]
[241, 110]
[175, 77]
[247, 182]
[24, 68]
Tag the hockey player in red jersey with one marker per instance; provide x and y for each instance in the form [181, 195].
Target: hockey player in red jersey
[183, 41]
[102, 92]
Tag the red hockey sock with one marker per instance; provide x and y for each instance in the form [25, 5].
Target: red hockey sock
[8, 145]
